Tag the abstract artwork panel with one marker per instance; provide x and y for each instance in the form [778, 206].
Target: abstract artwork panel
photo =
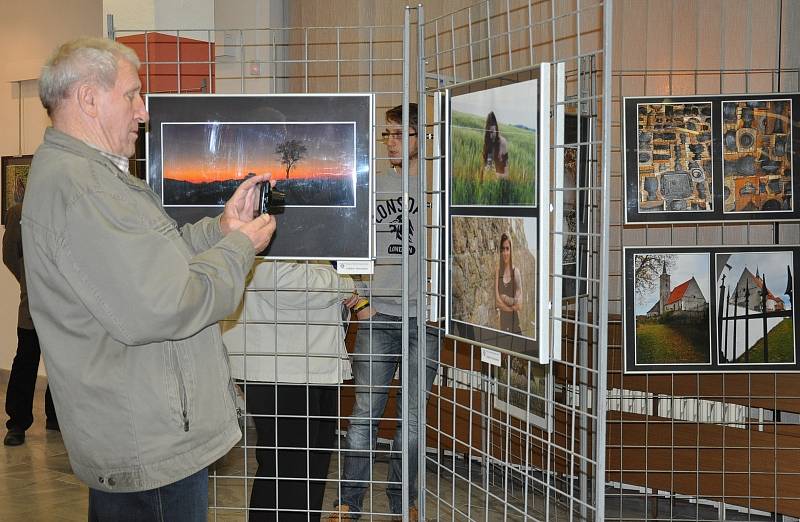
[493, 137]
[757, 155]
[493, 281]
[711, 158]
[674, 157]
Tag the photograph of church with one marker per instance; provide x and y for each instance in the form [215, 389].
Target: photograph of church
[755, 296]
[672, 293]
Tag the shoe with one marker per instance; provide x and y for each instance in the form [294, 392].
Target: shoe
[14, 438]
[52, 425]
[340, 515]
[413, 515]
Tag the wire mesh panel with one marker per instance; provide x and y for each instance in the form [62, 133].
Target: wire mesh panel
[515, 439]
[699, 445]
[294, 379]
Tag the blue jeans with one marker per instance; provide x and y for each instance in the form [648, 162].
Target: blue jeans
[183, 501]
[372, 392]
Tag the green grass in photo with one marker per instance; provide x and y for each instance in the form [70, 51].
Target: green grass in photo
[780, 343]
[659, 343]
[467, 147]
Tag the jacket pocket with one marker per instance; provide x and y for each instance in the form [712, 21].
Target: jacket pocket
[177, 384]
[225, 372]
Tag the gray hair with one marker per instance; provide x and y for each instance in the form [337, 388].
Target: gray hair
[81, 60]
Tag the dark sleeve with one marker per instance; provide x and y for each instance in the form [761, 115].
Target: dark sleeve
[12, 241]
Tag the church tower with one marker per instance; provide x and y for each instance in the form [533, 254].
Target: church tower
[664, 288]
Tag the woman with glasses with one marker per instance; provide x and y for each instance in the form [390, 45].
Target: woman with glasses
[508, 288]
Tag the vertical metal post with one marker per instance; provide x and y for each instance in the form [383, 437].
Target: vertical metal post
[422, 256]
[405, 317]
[602, 341]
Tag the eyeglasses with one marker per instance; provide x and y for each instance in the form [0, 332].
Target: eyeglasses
[396, 135]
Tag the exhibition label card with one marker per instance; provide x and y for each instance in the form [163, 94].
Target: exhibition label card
[355, 267]
[490, 356]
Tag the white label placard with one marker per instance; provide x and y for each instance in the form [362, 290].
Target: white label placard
[355, 267]
[490, 356]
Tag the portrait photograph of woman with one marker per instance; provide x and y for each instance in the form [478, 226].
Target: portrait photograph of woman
[493, 136]
[493, 281]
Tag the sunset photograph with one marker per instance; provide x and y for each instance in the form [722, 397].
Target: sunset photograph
[313, 163]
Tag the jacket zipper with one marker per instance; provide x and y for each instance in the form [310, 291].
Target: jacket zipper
[181, 387]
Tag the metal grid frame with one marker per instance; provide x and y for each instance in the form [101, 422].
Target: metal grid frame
[725, 478]
[297, 60]
[501, 466]
[346, 59]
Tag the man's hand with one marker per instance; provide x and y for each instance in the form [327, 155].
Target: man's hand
[259, 230]
[239, 209]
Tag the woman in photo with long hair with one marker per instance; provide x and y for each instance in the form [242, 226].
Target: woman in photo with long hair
[495, 147]
[508, 288]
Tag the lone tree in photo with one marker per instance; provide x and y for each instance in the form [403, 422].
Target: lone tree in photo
[647, 269]
[290, 151]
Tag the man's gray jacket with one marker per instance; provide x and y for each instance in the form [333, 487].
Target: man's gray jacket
[126, 307]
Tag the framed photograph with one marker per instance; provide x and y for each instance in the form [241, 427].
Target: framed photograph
[14, 180]
[576, 217]
[493, 146]
[522, 390]
[317, 148]
[716, 309]
[755, 313]
[672, 292]
[757, 156]
[710, 158]
[493, 267]
[493, 202]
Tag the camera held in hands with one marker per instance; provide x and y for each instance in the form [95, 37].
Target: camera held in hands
[270, 201]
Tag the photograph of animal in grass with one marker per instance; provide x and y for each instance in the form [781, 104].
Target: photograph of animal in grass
[671, 303]
[493, 137]
[755, 296]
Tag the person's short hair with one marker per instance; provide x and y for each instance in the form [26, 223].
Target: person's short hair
[395, 115]
[82, 59]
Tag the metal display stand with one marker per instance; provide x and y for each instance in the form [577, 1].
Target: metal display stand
[480, 461]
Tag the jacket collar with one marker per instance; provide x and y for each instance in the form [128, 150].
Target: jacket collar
[55, 137]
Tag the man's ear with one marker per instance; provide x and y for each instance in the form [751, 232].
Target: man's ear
[86, 95]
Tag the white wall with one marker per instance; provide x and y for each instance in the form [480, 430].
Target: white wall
[136, 16]
[29, 31]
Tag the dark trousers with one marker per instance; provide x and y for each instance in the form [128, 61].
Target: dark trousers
[22, 383]
[295, 492]
[183, 501]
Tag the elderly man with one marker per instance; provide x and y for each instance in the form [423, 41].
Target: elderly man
[126, 303]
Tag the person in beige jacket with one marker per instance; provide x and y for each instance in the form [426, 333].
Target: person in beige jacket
[287, 350]
[126, 303]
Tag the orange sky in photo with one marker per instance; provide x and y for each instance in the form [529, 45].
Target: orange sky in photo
[204, 173]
